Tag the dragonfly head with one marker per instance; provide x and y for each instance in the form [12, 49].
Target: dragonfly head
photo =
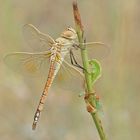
[69, 33]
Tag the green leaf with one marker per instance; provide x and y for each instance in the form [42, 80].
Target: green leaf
[96, 70]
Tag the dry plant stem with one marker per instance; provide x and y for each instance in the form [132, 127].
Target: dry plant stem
[90, 96]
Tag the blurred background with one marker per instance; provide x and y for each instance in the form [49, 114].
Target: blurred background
[114, 22]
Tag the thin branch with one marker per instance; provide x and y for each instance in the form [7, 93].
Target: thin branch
[90, 98]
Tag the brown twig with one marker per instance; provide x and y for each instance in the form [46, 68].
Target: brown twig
[77, 16]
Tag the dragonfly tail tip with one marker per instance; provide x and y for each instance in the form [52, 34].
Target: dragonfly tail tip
[33, 126]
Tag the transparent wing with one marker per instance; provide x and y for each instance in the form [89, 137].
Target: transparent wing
[95, 50]
[37, 64]
[69, 78]
[36, 39]
[28, 63]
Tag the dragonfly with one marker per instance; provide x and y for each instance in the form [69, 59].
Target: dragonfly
[54, 56]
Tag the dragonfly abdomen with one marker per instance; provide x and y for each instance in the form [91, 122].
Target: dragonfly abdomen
[54, 67]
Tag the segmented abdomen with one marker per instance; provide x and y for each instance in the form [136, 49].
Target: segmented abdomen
[54, 67]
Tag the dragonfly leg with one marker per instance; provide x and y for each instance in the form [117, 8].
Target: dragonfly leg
[74, 62]
[76, 46]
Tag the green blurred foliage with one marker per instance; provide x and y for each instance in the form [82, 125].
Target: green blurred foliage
[113, 22]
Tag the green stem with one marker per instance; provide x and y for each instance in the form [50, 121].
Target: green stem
[90, 96]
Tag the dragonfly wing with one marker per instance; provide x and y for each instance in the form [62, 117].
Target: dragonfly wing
[95, 50]
[69, 78]
[28, 63]
[38, 64]
[36, 39]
